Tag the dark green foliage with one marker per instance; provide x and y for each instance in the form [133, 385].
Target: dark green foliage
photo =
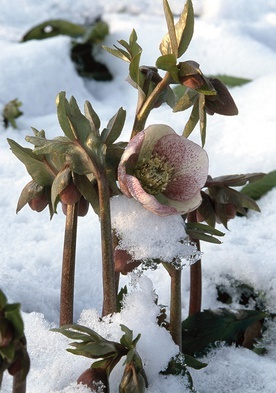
[205, 329]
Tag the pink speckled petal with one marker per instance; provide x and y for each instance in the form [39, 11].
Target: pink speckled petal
[190, 163]
[135, 190]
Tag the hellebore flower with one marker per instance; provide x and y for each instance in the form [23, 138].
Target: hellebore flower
[163, 170]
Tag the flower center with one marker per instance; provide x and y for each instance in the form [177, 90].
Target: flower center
[154, 174]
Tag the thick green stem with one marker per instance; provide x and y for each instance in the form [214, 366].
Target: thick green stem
[68, 266]
[108, 271]
[144, 111]
[195, 276]
[18, 385]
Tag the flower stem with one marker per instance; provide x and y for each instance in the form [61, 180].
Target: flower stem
[143, 113]
[108, 270]
[195, 276]
[68, 266]
[175, 304]
[18, 385]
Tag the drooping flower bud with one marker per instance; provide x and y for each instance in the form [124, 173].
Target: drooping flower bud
[96, 379]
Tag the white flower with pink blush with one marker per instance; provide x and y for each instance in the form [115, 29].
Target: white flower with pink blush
[163, 171]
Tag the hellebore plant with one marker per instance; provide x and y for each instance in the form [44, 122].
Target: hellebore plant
[166, 172]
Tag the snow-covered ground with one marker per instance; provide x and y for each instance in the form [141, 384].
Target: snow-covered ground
[231, 37]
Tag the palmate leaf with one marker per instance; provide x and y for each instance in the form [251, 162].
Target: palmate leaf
[36, 167]
[203, 329]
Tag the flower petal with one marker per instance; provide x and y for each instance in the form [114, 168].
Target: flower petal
[136, 191]
[190, 164]
[152, 134]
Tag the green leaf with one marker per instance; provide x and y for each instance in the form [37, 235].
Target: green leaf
[168, 63]
[206, 210]
[184, 28]
[118, 52]
[203, 232]
[260, 188]
[235, 180]
[120, 297]
[12, 313]
[92, 116]
[93, 350]
[114, 127]
[61, 181]
[79, 123]
[169, 44]
[231, 81]
[70, 332]
[76, 157]
[52, 28]
[30, 191]
[226, 195]
[3, 300]
[37, 169]
[193, 120]
[96, 33]
[185, 101]
[203, 329]
[88, 190]
[202, 118]
[127, 338]
[62, 113]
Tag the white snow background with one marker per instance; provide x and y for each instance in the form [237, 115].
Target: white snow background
[231, 37]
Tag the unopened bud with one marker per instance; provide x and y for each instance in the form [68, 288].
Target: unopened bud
[96, 379]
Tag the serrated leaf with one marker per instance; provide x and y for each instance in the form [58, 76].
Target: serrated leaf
[114, 127]
[37, 169]
[203, 329]
[261, 187]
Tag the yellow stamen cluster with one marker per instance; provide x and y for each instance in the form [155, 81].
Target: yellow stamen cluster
[154, 174]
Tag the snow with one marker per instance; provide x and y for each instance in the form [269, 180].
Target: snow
[230, 38]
